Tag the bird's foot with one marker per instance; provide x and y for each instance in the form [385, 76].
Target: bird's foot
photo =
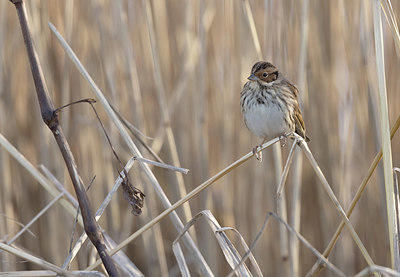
[283, 139]
[257, 154]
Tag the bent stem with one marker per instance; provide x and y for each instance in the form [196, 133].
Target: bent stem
[183, 200]
[295, 233]
[331, 195]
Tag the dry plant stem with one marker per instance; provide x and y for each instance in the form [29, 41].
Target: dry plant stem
[138, 135]
[230, 252]
[87, 100]
[280, 201]
[199, 259]
[397, 216]
[59, 186]
[295, 214]
[162, 101]
[318, 267]
[17, 223]
[192, 60]
[162, 165]
[51, 120]
[377, 269]
[35, 260]
[120, 259]
[385, 130]
[331, 195]
[133, 195]
[246, 248]
[286, 170]
[49, 273]
[293, 231]
[250, 19]
[45, 183]
[36, 217]
[177, 93]
[392, 22]
[281, 205]
[100, 211]
[189, 196]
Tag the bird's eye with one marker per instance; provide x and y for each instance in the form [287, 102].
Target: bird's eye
[265, 74]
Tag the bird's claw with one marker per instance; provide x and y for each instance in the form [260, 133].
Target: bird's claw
[257, 154]
[283, 139]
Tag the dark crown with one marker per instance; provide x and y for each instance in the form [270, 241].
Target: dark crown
[260, 66]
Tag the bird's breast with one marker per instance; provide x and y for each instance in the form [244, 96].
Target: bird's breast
[266, 114]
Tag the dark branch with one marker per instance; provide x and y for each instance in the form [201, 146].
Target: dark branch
[50, 117]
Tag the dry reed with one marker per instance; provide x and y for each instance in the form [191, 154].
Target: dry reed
[174, 70]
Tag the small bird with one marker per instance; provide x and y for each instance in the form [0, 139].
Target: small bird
[269, 104]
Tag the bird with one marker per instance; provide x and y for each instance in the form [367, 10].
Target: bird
[269, 104]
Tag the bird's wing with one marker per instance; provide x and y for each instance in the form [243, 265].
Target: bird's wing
[300, 127]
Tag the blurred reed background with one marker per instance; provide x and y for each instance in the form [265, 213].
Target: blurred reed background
[182, 90]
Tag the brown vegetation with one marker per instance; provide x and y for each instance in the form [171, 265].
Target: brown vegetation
[175, 72]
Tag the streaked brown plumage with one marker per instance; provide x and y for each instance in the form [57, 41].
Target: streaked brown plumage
[270, 105]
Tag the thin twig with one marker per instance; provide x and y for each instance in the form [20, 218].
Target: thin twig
[133, 195]
[86, 100]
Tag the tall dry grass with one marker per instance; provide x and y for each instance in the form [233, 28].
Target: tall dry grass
[179, 83]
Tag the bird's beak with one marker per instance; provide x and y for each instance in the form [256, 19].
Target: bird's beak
[253, 77]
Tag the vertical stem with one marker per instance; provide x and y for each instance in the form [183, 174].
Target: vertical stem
[294, 244]
[384, 120]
